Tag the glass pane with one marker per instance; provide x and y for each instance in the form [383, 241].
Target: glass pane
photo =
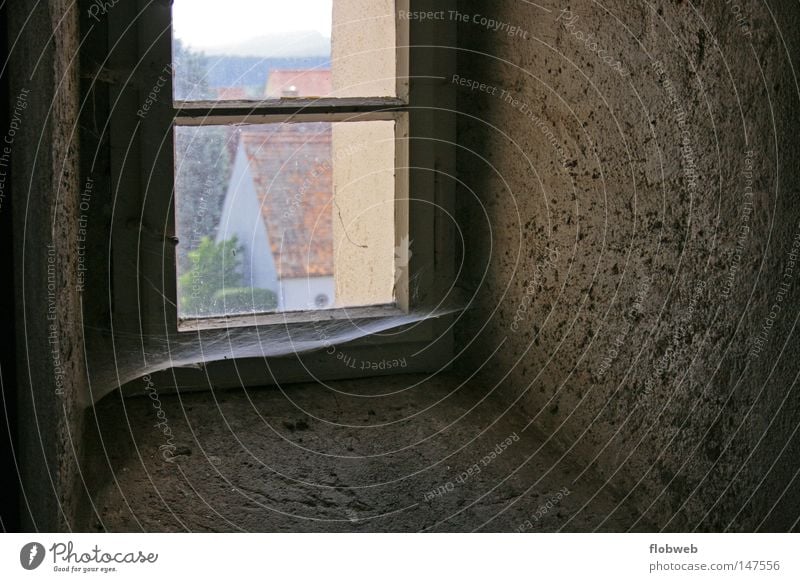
[284, 217]
[252, 49]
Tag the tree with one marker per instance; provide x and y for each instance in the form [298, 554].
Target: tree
[214, 266]
[213, 284]
[190, 77]
[246, 300]
[203, 159]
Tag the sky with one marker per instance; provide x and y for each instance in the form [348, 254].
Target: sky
[207, 23]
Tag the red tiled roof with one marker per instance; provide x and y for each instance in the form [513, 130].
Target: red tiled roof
[291, 168]
[299, 83]
[231, 94]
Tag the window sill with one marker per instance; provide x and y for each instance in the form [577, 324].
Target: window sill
[288, 317]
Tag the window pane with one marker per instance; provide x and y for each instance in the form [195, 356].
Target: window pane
[285, 217]
[252, 49]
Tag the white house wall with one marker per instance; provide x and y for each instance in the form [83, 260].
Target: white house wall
[300, 294]
[241, 216]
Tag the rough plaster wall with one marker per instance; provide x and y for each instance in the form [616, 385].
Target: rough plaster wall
[363, 56]
[363, 48]
[363, 204]
[45, 164]
[606, 271]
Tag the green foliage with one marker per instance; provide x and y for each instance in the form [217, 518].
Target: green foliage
[214, 266]
[191, 73]
[203, 160]
[213, 284]
[246, 299]
[201, 181]
[211, 279]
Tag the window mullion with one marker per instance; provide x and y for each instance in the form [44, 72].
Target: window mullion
[351, 109]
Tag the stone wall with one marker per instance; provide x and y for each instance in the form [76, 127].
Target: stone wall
[44, 156]
[633, 226]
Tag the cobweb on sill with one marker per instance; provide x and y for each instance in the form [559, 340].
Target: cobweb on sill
[116, 358]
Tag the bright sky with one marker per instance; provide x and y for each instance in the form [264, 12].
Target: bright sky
[214, 22]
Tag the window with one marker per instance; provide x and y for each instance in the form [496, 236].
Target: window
[275, 211]
[284, 163]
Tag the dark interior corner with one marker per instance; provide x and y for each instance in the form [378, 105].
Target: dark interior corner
[9, 504]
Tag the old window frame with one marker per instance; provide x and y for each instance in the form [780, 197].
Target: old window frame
[145, 297]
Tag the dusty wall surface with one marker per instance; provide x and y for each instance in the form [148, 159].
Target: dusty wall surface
[363, 56]
[44, 157]
[363, 205]
[363, 48]
[634, 237]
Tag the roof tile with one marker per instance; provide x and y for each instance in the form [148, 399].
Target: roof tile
[292, 172]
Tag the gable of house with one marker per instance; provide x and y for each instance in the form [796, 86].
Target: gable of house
[290, 166]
